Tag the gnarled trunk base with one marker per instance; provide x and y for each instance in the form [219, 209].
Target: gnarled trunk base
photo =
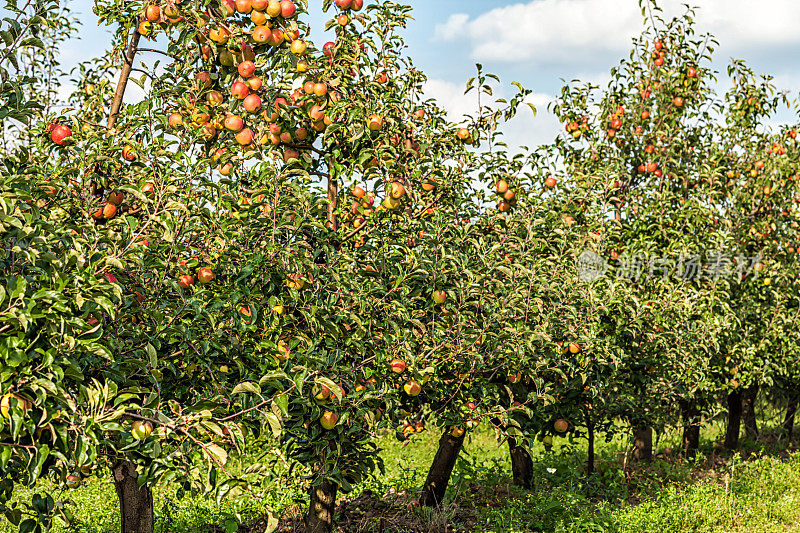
[136, 504]
[322, 507]
[749, 412]
[642, 443]
[690, 415]
[521, 464]
[734, 420]
[442, 467]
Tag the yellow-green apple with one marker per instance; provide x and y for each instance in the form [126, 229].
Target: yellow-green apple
[412, 388]
[141, 429]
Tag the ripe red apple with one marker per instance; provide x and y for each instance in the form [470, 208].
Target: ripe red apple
[328, 420]
[128, 153]
[328, 48]
[550, 182]
[252, 103]
[289, 154]
[573, 348]
[463, 134]
[316, 113]
[288, 9]
[148, 189]
[412, 388]
[691, 72]
[439, 297]
[343, 4]
[678, 101]
[457, 432]
[233, 123]
[244, 6]
[383, 77]
[616, 123]
[357, 5]
[320, 89]
[561, 425]
[398, 366]
[205, 275]
[175, 120]
[245, 137]
[246, 68]
[261, 34]
[254, 83]
[186, 281]
[152, 13]
[239, 90]
[73, 481]
[60, 135]
[501, 187]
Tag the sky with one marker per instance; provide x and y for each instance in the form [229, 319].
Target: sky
[541, 43]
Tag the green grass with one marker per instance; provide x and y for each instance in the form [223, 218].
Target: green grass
[714, 493]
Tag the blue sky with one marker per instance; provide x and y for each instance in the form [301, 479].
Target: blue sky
[539, 42]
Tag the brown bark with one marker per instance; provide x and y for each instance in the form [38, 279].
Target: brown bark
[521, 464]
[322, 508]
[749, 397]
[791, 410]
[691, 427]
[130, 53]
[442, 467]
[136, 504]
[642, 443]
[734, 420]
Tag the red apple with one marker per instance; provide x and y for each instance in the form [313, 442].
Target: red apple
[561, 425]
[288, 9]
[439, 297]
[412, 388]
[60, 135]
[205, 275]
[233, 123]
[328, 420]
[246, 69]
[398, 366]
[239, 90]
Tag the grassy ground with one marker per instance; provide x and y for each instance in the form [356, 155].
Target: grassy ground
[757, 490]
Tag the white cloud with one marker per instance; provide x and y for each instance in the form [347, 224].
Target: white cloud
[574, 31]
[524, 130]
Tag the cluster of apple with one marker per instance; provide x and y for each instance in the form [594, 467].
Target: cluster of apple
[411, 387]
[204, 275]
[213, 106]
[576, 129]
[508, 198]
[322, 396]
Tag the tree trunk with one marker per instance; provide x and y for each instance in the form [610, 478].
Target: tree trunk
[521, 464]
[136, 504]
[590, 451]
[791, 410]
[691, 427]
[749, 412]
[734, 419]
[322, 507]
[439, 475]
[642, 443]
